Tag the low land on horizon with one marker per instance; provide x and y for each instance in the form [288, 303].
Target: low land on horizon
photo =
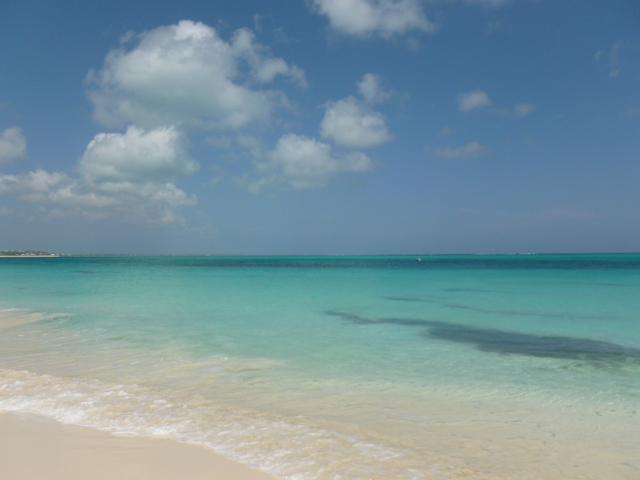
[27, 253]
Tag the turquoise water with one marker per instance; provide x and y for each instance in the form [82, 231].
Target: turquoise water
[340, 367]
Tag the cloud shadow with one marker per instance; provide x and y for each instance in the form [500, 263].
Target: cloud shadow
[505, 342]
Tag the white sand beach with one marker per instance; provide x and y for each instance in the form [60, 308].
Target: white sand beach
[38, 449]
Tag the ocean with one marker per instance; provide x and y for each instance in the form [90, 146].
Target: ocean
[339, 367]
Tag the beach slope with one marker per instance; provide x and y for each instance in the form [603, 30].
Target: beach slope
[32, 449]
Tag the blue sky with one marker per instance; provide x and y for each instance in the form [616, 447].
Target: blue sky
[320, 126]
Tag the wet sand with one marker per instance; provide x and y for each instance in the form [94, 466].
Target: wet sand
[37, 449]
[12, 317]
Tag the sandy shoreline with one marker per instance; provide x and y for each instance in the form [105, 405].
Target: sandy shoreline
[33, 449]
[28, 256]
[12, 317]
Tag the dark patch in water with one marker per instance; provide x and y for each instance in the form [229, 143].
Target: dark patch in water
[404, 299]
[589, 284]
[497, 312]
[86, 272]
[504, 342]
[509, 312]
[474, 290]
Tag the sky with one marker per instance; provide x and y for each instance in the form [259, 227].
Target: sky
[309, 127]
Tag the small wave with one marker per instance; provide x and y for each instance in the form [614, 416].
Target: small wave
[13, 317]
[292, 448]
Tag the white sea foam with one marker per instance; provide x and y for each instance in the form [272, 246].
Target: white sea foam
[291, 448]
[485, 444]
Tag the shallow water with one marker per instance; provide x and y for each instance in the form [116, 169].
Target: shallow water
[340, 367]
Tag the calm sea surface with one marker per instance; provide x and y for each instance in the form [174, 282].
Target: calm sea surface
[519, 367]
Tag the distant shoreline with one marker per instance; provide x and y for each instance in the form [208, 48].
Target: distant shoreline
[29, 256]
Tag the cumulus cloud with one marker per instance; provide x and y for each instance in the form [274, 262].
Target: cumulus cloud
[469, 151]
[186, 75]
[524, 109]
[471, 100]
[351, 124]
[13, 144]
[305, 163]
[33, 184]
[126, 175]
[370, 89]
[136, 156]
[148, 202]
[365, 18]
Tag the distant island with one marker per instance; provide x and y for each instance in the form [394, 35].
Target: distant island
[26, 253]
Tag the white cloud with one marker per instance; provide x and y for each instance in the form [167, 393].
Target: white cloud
[364, 18]
[128, 175]
[32, 184]
[471, 150]
[186, 75]
[13, 144]
[470, 100]
[305, 163]
[370, 89]
[351, 124]
[136, 156]
[445, 131]
[149, 202]
[523, 109]
[264, 67]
